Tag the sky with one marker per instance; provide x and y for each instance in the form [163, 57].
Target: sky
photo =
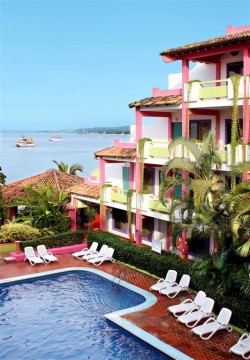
[69, 64]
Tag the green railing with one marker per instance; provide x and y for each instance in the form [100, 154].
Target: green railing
[120, 196]
[157, 206]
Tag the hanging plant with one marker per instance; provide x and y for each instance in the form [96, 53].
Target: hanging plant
[141, 145]
[102, 201]
[129, 203]
[235, 133]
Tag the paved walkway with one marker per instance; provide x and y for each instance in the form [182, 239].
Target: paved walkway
[155, 320]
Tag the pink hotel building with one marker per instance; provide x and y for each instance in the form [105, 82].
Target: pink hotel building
[202, 95]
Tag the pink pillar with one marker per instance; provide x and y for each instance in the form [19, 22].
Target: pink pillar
[246, 107]
[138, 234]
[138, 219]
[185, 79]
[102, 207]
[71, 210]
[138, 120]
[170, 130]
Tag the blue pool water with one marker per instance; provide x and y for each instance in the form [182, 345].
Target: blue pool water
[61, 317]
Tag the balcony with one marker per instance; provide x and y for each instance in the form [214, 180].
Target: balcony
[215, 89]
[155, 205]
[159, 150]
[118, 195]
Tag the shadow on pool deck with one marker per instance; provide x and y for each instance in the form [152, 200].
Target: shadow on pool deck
[156, 320]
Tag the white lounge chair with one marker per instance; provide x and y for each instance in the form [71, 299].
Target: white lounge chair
[188, 304]
[212, 325]
[86, 251]
[46, 255]
[102, 251]
[174, 289]
[192, 318]
[99, 259]
[31, 256]
[163, 283]
[242, 347]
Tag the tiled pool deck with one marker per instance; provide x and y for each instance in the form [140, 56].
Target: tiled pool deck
[156, 320]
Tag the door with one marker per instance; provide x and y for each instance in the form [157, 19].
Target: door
[176, 130]
[125, 177]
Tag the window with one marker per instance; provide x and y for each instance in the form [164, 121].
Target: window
[147, 228]
[198, 128]
[120, 220]
[235, 68]
[148, 184]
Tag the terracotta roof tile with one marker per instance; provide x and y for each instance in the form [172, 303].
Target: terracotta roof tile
[158, 101]
[115, 152]
[59, 180]
[92, 191]
[221, 41]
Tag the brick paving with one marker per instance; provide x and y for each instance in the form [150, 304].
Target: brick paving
[156, 320]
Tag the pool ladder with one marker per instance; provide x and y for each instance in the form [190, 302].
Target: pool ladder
[119, 275]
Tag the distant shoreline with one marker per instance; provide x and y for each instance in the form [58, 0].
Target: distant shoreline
[111, 130]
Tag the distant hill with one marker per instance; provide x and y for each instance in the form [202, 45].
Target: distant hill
[106, 130]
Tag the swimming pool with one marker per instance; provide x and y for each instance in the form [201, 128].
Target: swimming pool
[60, 316]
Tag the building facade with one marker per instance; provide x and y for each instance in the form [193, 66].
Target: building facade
[200, 98]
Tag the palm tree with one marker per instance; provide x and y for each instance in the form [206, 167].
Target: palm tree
[65, 167]
[198, 174]
[201, 211]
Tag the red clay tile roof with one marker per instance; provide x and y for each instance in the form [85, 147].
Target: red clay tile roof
[222, 41]
[92, 191]
[59, 180]
[158, 101]
[115, 152]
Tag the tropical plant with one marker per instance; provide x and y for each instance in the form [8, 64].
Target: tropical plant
[66, 169]
[12, 231]
[45, 208]
[90, 214]
[201, 211]
[239, 205]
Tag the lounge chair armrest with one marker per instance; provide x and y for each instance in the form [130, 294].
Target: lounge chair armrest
[160, 280]
[243, 336]
[187, 301]
[173, 284]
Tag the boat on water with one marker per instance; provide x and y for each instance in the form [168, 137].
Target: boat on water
[25, 142]
[56, 138]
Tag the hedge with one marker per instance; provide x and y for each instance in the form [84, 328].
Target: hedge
[57, 240]
[144, 258]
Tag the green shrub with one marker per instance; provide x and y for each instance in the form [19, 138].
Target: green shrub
[56, 240]
[17, 232]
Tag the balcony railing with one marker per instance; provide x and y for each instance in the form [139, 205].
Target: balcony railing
[215, 89]
[155, 205]
[159, 150]
[118, 195]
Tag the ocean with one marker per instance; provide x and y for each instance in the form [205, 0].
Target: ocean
[21, 163]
